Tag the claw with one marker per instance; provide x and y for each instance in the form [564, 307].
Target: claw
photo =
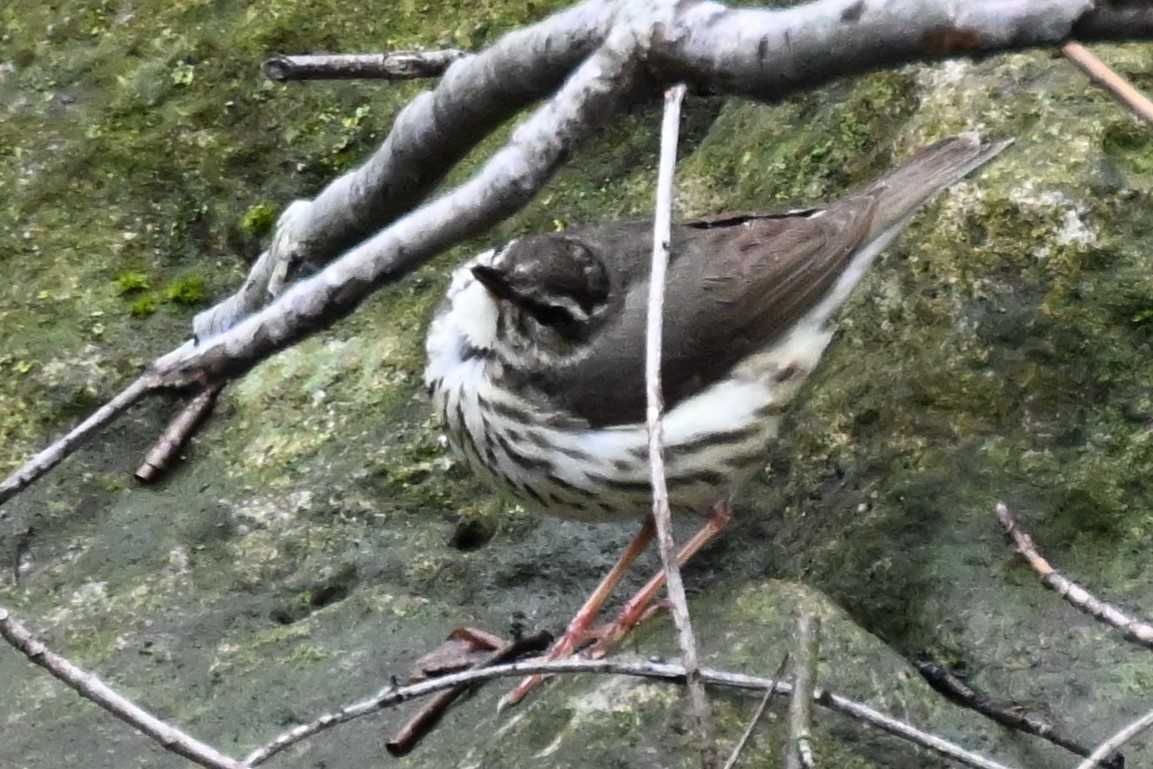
[519, 692]
[637, 610]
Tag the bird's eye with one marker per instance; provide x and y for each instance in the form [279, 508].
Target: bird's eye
[552, 315]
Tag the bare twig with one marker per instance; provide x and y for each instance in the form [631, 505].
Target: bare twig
[429, 716]
[904, 731]
[662, 234]
[1009, 715]
[767, 54]
[1134, 630]
[428, 138]
[92, 688]
[798, 751]
[179, 430]
[667, 672]
[503, 185]
[39, 465]
[1103, 75]
[756, 719]
[399, 65]
[1098, 757]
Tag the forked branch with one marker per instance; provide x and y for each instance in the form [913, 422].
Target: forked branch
[594, 57]
[93, 688]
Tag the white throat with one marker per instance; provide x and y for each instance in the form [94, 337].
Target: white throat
[468, 324]
[475, 314]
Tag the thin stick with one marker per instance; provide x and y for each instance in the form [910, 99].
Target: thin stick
[666, 672]
[904, 731]
[1009, 715]
[399, 65]
[1101, 74]
[39, 465]
[92, 688]
[1133, 630]
[166, 450]
[662, 229]
[756, 719]
[798, 752]
[1098, 757]
[419, 726]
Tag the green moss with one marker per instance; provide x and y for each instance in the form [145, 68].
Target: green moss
[143, 306]
[756, 157]
[114, 483]
[128, 283]
[188, 291]
[259, 220]
[1128, 140]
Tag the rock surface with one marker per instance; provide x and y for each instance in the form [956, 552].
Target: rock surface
[318, 538]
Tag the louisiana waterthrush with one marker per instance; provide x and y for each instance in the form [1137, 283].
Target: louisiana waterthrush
[536, 355]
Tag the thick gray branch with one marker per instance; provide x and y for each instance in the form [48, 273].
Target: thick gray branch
[762, 53]
[429, 137]
[755, 52]
[768, 54]
[507, 182]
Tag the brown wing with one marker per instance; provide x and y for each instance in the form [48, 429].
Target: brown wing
[734, 284]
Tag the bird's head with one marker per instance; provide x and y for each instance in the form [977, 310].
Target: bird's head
[552, 290]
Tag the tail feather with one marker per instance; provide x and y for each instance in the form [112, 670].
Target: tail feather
[904, 189]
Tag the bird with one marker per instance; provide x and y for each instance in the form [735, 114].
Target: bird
[536, 354]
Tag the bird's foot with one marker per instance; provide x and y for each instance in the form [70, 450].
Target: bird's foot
[586, 641]
[636, 611]
[611, 633]
[577, 635]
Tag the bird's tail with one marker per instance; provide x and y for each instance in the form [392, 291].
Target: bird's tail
[904, 189]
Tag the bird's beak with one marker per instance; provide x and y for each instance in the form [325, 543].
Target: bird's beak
[494, 280]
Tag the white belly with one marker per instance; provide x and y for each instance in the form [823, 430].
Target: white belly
[712, 441]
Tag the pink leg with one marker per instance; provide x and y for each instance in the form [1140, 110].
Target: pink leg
[635, 611]
[578, 629]
[638, 609]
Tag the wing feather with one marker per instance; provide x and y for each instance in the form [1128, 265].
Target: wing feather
[735, 284]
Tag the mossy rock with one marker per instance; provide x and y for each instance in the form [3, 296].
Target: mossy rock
[304, 552]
